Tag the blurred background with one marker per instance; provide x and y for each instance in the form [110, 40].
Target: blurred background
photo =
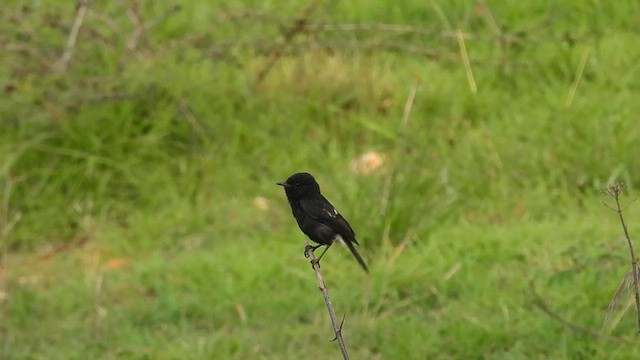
[467, 142]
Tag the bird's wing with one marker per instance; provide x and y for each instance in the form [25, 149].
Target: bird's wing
[320, 209]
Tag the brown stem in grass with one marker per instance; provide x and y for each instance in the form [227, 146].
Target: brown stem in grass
[614, 191]
[337, 327]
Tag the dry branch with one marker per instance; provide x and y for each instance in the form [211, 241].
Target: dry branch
[337, 327]
[381, 27]
[614, 191]
[296, 28]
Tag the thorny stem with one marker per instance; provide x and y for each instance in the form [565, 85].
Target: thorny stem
[615, 191]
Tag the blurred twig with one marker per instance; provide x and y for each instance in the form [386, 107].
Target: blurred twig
[381, 27]
[142, 27]
[625, 284]
[81, 10]
[539, 302]
[467, 63]
[6, 226]
[296, 28]
[170, 11]
[262, 46]
[576, 82]
[136, 18]
[337, 328]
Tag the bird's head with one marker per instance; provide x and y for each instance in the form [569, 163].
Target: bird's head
[300, 185]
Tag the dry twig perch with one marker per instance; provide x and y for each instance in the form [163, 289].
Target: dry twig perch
[337, 327]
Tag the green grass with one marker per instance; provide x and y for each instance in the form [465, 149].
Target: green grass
[128, 226]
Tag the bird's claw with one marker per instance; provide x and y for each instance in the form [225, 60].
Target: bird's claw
[306, 250]
[315, 262]
[307, 247]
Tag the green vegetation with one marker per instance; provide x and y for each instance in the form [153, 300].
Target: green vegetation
[129, 177]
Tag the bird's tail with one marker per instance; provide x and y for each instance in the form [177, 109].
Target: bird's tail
[358, 257]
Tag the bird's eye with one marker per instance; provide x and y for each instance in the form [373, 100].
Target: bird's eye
[297, 184]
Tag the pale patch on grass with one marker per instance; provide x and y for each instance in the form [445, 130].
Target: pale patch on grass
[356, 80]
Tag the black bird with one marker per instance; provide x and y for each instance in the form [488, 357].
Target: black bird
[316, 217]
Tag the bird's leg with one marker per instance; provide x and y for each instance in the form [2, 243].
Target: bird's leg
[325, 250]
[317, 261]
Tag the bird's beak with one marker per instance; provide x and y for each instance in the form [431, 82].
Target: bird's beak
[283, 183]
